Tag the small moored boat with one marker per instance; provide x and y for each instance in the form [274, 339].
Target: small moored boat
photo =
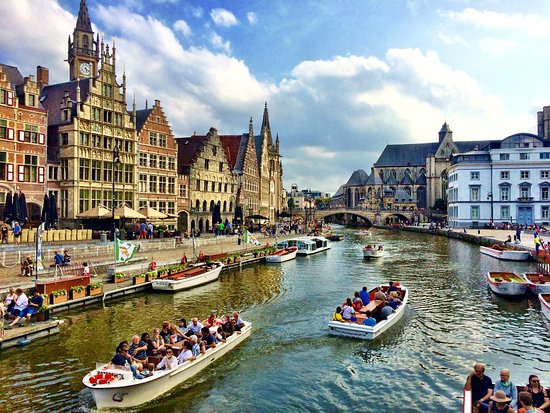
[336, 237]
[359, 330]
[507, 283]
[373, 251]
[312, 245]
[193, 276]
[283, 255]
[545, 305]
[505, 253]
[115, 387]
[539, 283]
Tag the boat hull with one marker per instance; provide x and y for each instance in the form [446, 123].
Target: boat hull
[310, 252]
[545, 305]
[138, 392]
[535, 287]
[283, 257]
[372, 254]
[507, 288]
[355, 330]
[185, 283]
[508, 255]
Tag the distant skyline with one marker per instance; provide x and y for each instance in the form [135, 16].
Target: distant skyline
[341, 79]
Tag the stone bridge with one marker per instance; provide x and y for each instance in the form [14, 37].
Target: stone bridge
[381, 217]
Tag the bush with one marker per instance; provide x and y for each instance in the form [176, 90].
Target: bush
[120, 275]
[58, 293]
[78, 288]
[95, 286]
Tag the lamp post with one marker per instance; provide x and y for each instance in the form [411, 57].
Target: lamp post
[116, 160]
[490, 197]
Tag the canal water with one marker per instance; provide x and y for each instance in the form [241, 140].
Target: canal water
[290, 363]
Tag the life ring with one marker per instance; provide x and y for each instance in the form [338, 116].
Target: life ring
[184, 259]
[102, 378]
[152, 266]
[201, 256]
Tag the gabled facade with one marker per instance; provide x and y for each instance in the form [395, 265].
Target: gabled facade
[157, 163]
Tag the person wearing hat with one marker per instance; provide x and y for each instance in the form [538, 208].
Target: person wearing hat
[500, 403]
[509, 388]
[481, 387]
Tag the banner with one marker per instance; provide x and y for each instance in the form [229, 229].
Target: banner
[251, 239]
[124, 250]
[39, 256]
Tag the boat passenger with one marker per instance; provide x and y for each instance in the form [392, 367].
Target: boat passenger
[168, 362]
[175, 335]
[500, 403]
[379, 315]
[394, 302]
[208, 339]
[211, 320]
[227, 326]
[357, 302]
[157, 343]
[379, 295]
[123, 359]
[138, 350]
[481, 387]
[365, 296]
[165, 332]
[33, 306]
[196, 348]
[347, 310]
[509, 388]
[387, 309]
[182, 327]
[186, 353]
[195, 327]
[380, 248]
[540, 395]
[338, 314]
[370, 320]
[508, 240]
[237, 321]
[21, 302]
[526, 401]
[220, 335]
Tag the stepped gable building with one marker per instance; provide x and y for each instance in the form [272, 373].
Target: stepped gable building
[416, 174]
[158, 154]
[211, 182]
[23, 128]
[91, 135]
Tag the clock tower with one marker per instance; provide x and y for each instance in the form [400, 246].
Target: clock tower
[83, 50]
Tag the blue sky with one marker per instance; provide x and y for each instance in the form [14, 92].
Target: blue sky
[341, 78]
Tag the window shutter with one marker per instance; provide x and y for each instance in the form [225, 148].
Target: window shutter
[41, 174]
[10, 134]
[9, 99]
[21, 173]
[21, 136]
[10, 171]
[41, 139]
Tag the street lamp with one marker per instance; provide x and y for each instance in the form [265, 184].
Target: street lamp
[116, 160]
[490, 197]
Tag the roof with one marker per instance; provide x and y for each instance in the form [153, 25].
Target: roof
[339, 193]
[391, 180]
[141, 118]
[358, 178]
[51, 97]
[83, 21]
[374, 179]
[13, 75]
[407, 180]
[231, 145]
[188, 148]
[259, 140]
[415, 154]
[402, 195]
[421, 180]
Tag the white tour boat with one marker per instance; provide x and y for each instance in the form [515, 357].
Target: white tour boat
[283, 255]
[539, 283]
[507, 283]
[359, 330]
[115, 387]
[504, 253]
[193, 276]
[373, 252]
[545, 305]
[312, 245]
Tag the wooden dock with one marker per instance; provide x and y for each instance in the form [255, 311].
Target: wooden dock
[20, 336]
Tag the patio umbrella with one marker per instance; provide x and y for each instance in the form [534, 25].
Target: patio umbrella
[96, 212]
[216, 214]
[23, 214]
[16, 207]
[256, 217]
[7, 213]
[152, 213]
[53, 211]
[126, 212]
[45, 216]
[238, 214]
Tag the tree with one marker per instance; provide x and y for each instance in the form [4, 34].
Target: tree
[440, 204]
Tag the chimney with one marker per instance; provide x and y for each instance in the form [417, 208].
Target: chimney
[42, 76]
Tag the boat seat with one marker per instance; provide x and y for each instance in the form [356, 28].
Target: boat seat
[370, 307]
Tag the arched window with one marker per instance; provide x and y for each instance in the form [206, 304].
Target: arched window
[204, 205]
[85, 43]
[224, 206]
[230, 206]
[197, 205]
[211, 206]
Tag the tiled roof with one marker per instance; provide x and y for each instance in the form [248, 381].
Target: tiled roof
[141, 118]
[390, 180]
[358, 178]
[374, 179]
[407, 180]
[51, 97]
[13, 75]
[231, 144]
[243, 147]
[188, 148]
[339, 193]
[421, 180]
[258, 140]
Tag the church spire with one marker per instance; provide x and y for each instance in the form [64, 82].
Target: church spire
[266, 129]
[83, 23]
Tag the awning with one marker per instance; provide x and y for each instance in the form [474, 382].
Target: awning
[97, 212]
[126, 212]
[152, 213]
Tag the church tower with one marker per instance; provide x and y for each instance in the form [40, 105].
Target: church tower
[83, 50]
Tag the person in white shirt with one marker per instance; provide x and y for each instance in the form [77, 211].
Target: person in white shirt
[194, 328]
[21, 302]
[186, 353]
[168, 362]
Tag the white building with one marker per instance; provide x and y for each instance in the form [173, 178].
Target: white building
[506, 181]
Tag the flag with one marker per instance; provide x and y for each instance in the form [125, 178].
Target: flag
[39, 255]
[124, 250]
[251, 239]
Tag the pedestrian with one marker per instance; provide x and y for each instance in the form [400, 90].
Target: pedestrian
[5, 232]
[537, 245]
[518, 234]
[150, 231]
[17, 232]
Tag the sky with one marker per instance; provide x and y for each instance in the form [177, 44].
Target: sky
[342, 79]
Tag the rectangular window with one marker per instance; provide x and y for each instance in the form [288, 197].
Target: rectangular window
[523, 156]
[129, 199]
[29, 172]
[162, 140]
[205, 186]
[504, 212]
[524, 174]
[153, 183]
[129, 174]
[142, 183]
[64, 165]
[53, 173]
[219, 186]
[171, 185]
[171, 163]
[84, 204]
[545, 212]
[152, 161]
[524, 192]
[198, 187]
[504, 193]
[162, 162]
[504, 156]
[544, 193]
[474, 176]
[84, 171]
[143, 159]
[96, 114]
[504, 174]
[206, 164]
[183, 191]
[118, 173]
[474, 194]
[108, 171]
[108, 199]
[3, 165]
[107, 142]
[544, 155]
[96, 141]
[544, 174]
[107, 116]
[96, 171]
[162, 206]
[64, 202]
[96, 198]
[153, 138]
[474, 212]
[171, 207]
[162, 184]
[128, 146]
[213, 186]
[84, 139]
[221, 167]
[107, 90]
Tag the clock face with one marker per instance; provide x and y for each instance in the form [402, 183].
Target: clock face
[85, 68]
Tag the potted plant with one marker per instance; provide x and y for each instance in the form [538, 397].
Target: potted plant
[236, 258]
[43, 313]
[77, 291]
[149, 275]
[58, 296]
[161, 272]
[138, 279]
[95, 288]
[119, 277]
[161, 229]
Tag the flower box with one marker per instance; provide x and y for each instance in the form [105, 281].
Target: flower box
[95, 290]
[58, 296]
[138, 279]
[75, 295]
[119, 277]
[43, 315]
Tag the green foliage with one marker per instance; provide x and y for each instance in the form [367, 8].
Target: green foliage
[142, 275]
[59, 293]
[151, 274]
[96, 285]
[44, 307]
[78, 288]
[440, 204]
[120, 275]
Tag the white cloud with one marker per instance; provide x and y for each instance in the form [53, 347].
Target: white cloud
[223, 18]
[496, 47]
[182, 27]
[197, 12]
[219, 43]
[252, 18]
[453, 39]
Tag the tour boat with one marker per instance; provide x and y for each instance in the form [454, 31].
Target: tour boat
[115, 387]
[358, 330]
[507, 283]
[336, 237]
[504, 253]
[366, 233]
[539, 283]
[193, 276]
[373, 252]
[312, 245]
[283, 255]
[545, 305]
